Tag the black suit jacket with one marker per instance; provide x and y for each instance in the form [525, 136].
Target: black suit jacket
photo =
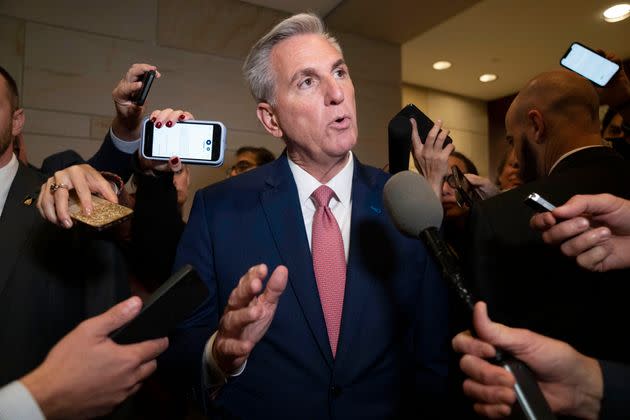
[615, 404]
[529, 284]
[50, 278]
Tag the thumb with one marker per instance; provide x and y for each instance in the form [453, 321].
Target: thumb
[276, 284]
[116, 316]
[513, 340]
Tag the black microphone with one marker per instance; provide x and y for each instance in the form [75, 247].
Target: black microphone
[417, 213]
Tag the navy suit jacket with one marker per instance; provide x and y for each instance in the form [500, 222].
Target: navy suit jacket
[393, 344]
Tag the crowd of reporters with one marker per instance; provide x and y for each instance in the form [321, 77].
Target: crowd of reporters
[557, 148]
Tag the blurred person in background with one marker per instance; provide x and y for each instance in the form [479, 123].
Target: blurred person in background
[248, 158]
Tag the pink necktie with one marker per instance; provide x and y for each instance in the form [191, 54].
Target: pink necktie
[329, 263]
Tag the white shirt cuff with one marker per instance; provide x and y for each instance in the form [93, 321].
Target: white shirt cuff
[16, 402]
[128, 147]
[215, 377]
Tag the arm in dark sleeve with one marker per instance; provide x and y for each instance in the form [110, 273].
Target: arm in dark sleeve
[157, 226]
[616, 401]
[109, 158]
[183, 359]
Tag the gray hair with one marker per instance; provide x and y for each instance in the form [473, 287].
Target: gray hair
[257, 68]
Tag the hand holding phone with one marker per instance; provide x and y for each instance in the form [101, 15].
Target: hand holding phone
[104, 213]
[399, 126]
[193, 141]
[588, 63]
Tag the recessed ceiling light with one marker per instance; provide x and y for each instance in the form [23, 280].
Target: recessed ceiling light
[488, 77]
[617, 12]
[442, 65]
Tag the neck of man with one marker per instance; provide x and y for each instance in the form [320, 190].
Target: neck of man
[322, 171]
[557, 149]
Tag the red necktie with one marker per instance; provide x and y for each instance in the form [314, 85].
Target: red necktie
[329, 263]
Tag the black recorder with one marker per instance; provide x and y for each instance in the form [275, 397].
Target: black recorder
[169, 305]
[538, 204]
[147, 81]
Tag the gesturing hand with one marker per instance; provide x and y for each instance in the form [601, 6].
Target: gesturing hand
[247, 316]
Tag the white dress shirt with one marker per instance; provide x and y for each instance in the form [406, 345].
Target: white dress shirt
[341, 207]
[7, 175]
[16, 402]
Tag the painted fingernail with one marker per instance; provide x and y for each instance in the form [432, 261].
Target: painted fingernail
[181, 117]
[67, 223]
[175, 160]
[158, 124]
[153, 119]
[169, 123]
[87, 211]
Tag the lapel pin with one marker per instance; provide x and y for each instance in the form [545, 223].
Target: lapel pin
[28, 200]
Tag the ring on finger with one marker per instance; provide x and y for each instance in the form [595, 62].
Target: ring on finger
[54, 187]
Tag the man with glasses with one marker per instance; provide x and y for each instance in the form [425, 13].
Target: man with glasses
[248, 158]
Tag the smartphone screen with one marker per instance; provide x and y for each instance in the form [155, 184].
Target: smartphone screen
[197, 142]
[589, 64]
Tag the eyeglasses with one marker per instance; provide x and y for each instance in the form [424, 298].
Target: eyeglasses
[465, 192]
[240, 166]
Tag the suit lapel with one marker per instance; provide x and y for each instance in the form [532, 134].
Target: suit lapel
[366, 203]
[280, 202]
[17, 220]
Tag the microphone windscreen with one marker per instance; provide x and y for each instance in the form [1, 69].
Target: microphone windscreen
[411, 203]
[399, 143]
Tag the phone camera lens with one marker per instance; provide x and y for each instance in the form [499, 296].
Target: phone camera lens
[208, 142]
[208, 149]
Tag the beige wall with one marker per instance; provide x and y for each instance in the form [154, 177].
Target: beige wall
[67, 56]
[466, 118]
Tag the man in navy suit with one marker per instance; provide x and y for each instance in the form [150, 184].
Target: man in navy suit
[267, 343]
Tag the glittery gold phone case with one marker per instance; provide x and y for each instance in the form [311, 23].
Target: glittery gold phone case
[104, 213]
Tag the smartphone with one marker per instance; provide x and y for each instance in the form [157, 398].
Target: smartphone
[147, 81]
[538, 204]
[589, 64]
[193, 141]
[168, 306]
[104, 214]
[465, 192]
[425, 124]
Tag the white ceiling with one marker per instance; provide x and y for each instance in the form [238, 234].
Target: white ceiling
[515, 39]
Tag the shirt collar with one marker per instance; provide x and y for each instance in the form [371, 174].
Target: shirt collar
[569, 153]
[341, 183]
[7, 174]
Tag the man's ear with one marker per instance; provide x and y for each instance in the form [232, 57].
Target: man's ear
[268, 118]
[536, 125]
[18, 121]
